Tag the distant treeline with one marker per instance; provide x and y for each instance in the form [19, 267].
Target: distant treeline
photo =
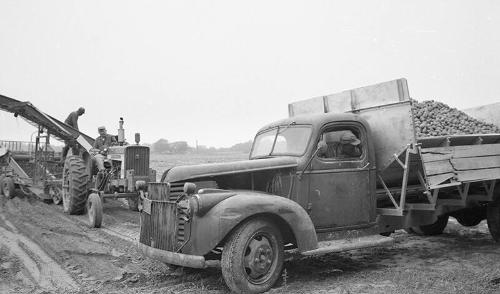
[164, 146]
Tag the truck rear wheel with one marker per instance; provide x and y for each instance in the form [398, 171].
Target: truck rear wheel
[75, 185]
[252, 258]
[432, 229]
[493, 219]
[8, 187]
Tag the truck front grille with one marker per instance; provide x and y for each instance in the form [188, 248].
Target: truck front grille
[159, 227]
[137, 158]
[166, 227]
[176, 191]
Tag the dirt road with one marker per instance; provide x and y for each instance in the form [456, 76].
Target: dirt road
[43, 250]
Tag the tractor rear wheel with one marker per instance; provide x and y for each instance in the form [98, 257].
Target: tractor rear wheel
[75, 185]
[252, 258]
[8, 187]
[94, 210]
[432, 229]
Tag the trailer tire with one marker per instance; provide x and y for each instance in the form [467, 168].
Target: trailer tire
[469, 217]
[75, 185]
[133, 203]
[432, 229]
[8, 187]
[94, 210]
[252, 258]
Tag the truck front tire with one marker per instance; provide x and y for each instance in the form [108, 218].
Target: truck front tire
[252, 258]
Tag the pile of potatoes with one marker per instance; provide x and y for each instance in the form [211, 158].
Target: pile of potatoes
[434, 118]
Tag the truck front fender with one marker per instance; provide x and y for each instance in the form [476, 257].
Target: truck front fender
[212, 228]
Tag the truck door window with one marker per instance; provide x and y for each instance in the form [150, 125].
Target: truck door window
[342, 144]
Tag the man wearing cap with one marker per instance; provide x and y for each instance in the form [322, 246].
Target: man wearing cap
[341, 144]
[102, 142]
[349, 146]
[72, 120]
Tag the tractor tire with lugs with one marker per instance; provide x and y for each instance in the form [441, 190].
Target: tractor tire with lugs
[75, 185]
[252, 258]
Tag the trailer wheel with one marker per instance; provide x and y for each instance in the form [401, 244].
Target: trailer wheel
[468, 218]
[55, 193]
[252, 258]
[8, 187]
[94, 210]
[133, 203]
[432, 229]
[75, 183]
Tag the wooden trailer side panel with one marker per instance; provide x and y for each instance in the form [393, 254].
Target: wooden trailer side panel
[461, 163]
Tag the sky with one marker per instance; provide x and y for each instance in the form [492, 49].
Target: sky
[216, 71]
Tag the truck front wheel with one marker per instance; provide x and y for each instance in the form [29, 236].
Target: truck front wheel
[252, 258]
[432, 229]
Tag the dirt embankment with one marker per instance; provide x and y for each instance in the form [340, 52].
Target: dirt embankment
[42, 250]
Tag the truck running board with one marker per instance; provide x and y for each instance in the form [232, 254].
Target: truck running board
[349, 244]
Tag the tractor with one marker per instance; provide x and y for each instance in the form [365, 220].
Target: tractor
[126, 173]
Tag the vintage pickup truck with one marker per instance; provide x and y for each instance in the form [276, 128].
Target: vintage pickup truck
[301, 190]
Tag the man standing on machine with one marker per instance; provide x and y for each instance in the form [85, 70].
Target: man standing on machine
[72, 121]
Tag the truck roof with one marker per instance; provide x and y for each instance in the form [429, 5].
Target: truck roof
[315, 119]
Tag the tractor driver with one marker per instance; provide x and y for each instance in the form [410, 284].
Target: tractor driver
[102, 143]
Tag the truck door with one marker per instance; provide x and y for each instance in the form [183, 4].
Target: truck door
[339, 194]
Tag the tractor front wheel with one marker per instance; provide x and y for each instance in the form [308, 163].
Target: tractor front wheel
[133, 203]
[75, 185]
[94, 210]
[252, 258]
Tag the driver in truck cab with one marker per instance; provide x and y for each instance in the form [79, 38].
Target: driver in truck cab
[342, 144]
[102, 143]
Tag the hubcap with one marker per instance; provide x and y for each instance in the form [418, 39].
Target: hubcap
[259, 257]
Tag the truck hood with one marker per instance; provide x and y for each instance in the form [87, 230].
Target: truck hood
[188, 172]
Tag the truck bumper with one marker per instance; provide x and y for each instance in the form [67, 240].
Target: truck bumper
[194, 261]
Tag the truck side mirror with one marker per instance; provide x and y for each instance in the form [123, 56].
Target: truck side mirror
[322, 148]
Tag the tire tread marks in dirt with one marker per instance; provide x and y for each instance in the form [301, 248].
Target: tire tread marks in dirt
[76, 178]
[41, 267]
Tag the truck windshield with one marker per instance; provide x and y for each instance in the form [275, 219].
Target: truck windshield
[283, 140]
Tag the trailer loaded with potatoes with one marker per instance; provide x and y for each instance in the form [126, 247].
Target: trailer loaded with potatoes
[341, 173]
